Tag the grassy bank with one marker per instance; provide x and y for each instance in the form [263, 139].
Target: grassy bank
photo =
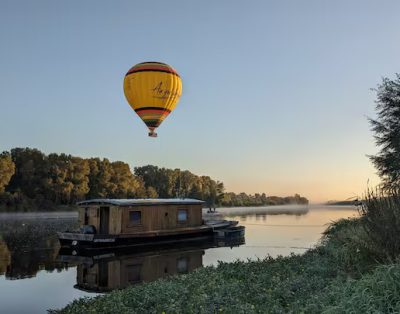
[340, 275]
[354, 269]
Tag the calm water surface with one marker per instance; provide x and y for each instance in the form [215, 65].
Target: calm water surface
[36, 276]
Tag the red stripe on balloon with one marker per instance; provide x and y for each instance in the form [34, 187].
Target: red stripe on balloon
[152, 111]
[151, 68]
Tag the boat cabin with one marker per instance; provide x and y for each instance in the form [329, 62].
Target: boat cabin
[133, 216]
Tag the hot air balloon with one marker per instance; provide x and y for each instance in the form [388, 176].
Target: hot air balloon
[153, 90]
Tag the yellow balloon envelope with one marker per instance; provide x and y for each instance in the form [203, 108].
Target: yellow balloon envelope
[153, 90]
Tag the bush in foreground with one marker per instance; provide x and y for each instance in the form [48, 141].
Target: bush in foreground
[381, 222]
[377, 292]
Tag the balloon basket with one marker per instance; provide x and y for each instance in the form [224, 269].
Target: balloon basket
[152, 134]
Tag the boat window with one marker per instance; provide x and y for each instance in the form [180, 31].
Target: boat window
[135, 217]
[182, 215]
[182, 265]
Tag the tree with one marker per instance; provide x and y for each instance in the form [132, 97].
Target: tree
[67, 179]
[149, 174]
[186, 182]
[7, 170]
[31, 168]
[386, 128]
[164, 181]
[127, 184]
[151, 192]
[58, 188]
[78, 176]
[37, 180]
[100, 173]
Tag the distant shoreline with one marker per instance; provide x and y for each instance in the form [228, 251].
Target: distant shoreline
[39, 215]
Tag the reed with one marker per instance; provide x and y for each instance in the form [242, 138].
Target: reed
[380, 214]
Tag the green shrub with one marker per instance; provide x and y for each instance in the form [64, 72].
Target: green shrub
[378, 292]
[381, 222]
[348, 246]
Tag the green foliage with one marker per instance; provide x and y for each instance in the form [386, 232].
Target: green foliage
[381, 222]
[169, 183]
[67, 178]
[43, 182]
[151, 192]
[32, 180]
[31, 171]
[163, 180]
[338, 276]
[387, 131]
[243, 199]
[348, 246]
[7, 170]
[122, 183]
[177, 183]
[377, 292]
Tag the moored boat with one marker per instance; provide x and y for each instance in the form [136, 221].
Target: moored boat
[140, 222]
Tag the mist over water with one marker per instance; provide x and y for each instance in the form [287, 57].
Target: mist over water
[278, 230]
[264, 210]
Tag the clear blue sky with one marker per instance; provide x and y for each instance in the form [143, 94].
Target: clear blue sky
[275, 93]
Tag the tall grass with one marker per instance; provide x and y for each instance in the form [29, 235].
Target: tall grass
[376, 292]
[348, 246]
[381, 221]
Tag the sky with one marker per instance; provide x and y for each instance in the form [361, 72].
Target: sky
[276, 94]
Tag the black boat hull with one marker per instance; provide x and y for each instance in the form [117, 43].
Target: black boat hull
[112, 241]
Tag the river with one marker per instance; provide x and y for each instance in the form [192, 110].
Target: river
[35, 275]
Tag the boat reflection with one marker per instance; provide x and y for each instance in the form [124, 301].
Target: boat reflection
[104, 271]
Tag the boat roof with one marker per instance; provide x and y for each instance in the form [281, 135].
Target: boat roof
[140, 201]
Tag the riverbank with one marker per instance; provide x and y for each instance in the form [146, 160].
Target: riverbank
[39, 215]
[340, 275]
[13, 203]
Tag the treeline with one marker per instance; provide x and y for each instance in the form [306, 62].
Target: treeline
[39, 180]
[30, 180]
[243, 199]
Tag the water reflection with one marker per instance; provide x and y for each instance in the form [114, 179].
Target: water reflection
[259, 213]
[28, 246]
[5, 257]
[105, 271]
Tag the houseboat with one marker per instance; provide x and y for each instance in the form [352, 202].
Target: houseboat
[140, 222]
